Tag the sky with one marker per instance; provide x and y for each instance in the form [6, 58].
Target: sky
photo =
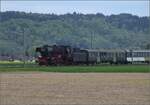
[140, 8]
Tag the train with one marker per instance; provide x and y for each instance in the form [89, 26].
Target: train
[67, 55]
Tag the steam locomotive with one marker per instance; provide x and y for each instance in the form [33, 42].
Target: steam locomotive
[66, 55]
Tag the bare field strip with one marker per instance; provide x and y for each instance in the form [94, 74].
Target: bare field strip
[40, 88]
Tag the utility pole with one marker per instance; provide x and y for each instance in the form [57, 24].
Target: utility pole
[92, 34]
[131, 56]
[92, 38]
[23, 47]
[23, 27]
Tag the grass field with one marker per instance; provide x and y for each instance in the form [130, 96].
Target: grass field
[14, 67]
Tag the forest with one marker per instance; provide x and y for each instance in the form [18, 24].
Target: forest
[22, 32]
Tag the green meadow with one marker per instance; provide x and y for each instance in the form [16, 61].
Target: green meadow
[20, 67]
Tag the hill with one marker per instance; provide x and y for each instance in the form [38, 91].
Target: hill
[20, 31]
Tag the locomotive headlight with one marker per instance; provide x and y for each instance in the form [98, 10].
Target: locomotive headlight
[59, 56]
[40, 56]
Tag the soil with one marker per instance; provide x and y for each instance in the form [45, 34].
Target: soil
[42, 88]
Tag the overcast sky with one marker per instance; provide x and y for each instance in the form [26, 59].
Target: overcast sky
[140, 8]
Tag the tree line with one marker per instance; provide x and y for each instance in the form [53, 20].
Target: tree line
[21, 33]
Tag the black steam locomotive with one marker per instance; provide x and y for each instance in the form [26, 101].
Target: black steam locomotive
[66, 55]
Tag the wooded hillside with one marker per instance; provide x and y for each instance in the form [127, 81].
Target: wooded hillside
[123, 31]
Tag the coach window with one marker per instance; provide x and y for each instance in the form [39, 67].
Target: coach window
[142, 54]
[148, 54]
[133, 54]
[138, 54]
[145, 54]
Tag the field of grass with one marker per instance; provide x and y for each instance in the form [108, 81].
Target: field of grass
[15, 67]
